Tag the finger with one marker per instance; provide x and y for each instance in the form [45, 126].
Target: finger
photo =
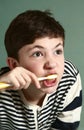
[31, 77]
[35, 80]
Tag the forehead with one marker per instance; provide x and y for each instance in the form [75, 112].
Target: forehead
[47, 42]
[43, 43]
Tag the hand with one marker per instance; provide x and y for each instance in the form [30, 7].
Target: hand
[20, 78]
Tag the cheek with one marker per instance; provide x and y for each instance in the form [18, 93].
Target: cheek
[61, 66]
[61, 69]
[34, 67]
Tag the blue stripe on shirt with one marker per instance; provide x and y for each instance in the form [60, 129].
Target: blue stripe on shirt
[65, 126]
[77, 102]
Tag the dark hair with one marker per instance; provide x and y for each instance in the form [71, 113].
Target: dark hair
[29, 26]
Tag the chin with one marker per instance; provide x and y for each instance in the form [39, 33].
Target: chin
[50, 90]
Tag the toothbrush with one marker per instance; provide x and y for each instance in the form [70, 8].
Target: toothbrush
[48, 77]
[5, 85]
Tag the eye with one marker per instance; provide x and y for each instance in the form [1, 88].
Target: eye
[58, 52]
[37, 54]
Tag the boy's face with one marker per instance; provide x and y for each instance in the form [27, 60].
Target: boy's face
[44, 57]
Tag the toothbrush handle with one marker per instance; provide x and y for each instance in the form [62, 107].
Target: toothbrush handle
[42, 78]
[4, 85]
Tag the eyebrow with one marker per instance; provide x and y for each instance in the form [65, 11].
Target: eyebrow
[36, 46]
[59, 44]
[41, 47]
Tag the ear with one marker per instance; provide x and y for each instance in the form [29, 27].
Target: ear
[12, 63]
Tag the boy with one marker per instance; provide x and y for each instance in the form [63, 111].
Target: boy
[35, 46]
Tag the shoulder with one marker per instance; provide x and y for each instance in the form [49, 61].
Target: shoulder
[70, 74]
[70, 85]
[70, 68]
[71, 77]
[4, 70]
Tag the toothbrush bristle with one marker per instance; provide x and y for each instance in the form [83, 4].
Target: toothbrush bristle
[52, 76]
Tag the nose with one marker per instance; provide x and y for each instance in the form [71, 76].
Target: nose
[50, 63]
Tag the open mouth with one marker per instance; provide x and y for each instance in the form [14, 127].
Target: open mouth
[50, 82]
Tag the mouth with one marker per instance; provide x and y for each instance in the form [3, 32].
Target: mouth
[50, 82]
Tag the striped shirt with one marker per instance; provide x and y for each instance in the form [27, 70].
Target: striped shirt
[60, 110]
